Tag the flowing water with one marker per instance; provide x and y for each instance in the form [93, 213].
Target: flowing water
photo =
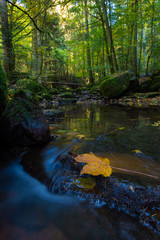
[129, 138]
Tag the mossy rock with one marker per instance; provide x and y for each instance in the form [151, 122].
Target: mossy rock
[54, 91]
[145, 86]
[155, 84]
[67, 95]
[3, 90]
[47, 96]
[30, 85]
[22, 123]
[117, 86]
[155, 73]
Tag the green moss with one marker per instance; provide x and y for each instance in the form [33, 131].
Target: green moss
[155, 73]
[29, 85]
[155, 84]
[20, 106]
[115, 86]
[47, 96]
[67, 95]
[54, 91]
[3, 88]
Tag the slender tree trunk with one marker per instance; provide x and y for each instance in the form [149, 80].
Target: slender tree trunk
[109, 36]
[109, 56]
[152, 38]
[6, 39]
[135, 40]
[89, 67]
[34, 53]
[141, 41]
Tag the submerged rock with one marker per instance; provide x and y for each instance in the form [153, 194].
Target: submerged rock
[22, 123]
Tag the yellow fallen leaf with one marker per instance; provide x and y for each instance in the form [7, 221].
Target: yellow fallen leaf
[80, 136]
[137, 151]
[94, 165]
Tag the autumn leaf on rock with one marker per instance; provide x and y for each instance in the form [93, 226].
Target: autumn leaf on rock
[137, 151]
[94, 165]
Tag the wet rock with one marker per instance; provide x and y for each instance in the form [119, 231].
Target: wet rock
[23, 123]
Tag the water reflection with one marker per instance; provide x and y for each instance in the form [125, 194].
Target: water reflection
[114, 132]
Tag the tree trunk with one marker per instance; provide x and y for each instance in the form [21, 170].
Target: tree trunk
[89, 67]
[109, 37]
[135, 40]
[34, 53]
[109, 58]
[6, 39]
[152, 38]
[141, 41]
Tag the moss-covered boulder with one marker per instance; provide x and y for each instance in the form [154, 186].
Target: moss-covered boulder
[155, 84]
[145, 86]
[155, 73]
[29, 84]
[22, 123]
[3, 90]
[67, 95]
[118, 86]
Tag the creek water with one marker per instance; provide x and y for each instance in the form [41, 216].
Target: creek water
[129, 138]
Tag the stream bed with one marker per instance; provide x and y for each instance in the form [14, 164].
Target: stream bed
[40, 198]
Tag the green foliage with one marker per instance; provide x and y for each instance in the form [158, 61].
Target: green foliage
[3, 89]
[30, 85]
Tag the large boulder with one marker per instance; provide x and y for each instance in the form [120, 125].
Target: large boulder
[118, 86]
[22, 123]
[155, 84]
[3, 90]
[155, 73]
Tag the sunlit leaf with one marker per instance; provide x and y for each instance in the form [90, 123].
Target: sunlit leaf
[156, 124]
[80, 136]
[86, 183]
[121, 128]
[137, 151]
[94, 165]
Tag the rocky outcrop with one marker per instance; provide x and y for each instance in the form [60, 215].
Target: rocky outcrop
[22, 123]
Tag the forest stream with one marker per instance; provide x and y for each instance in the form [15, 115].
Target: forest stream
[41, 199]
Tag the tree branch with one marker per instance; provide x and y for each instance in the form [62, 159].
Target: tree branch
[27, 15]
